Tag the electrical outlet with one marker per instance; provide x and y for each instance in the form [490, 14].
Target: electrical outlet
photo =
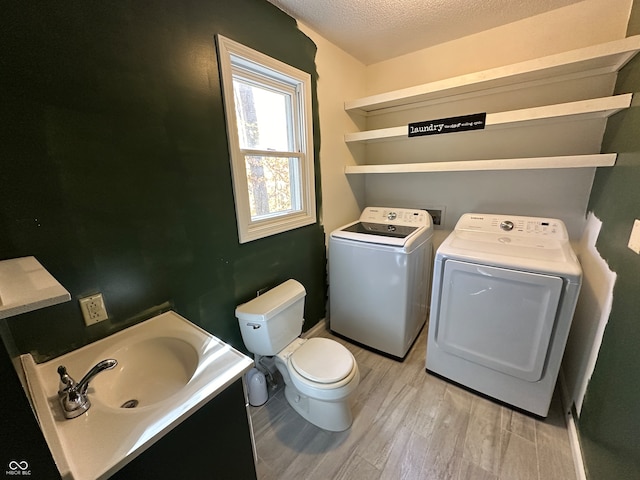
[93, 309]
[634, 238]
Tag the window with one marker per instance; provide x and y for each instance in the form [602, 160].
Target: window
[269, 127]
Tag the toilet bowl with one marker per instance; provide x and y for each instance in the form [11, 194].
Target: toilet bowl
[320, 374]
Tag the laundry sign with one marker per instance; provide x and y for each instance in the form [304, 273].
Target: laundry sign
[475, 121]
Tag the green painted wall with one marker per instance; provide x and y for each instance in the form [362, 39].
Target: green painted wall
[114, 168]
[609, 424]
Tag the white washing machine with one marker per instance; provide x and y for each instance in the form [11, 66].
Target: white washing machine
[504, 293]
[379, 278]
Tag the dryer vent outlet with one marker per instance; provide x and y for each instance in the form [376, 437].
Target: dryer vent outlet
[437, 216]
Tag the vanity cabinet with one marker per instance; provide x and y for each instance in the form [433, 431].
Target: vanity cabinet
[21, 441]
[215, 442]
[532, 84]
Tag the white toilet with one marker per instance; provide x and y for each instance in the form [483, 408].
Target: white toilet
[319, 373]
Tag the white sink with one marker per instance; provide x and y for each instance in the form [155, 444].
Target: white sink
[148, 371]
[167, 369]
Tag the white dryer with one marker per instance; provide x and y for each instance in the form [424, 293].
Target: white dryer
[379, 278]
[503, 298]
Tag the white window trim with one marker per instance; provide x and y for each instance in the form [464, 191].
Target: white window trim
[249, 230]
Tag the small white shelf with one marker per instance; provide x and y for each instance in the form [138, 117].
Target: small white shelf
[581, 63]
[581, 110]
[570, 161]
[25, 285]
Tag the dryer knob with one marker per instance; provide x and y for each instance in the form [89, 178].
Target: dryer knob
[507, 225]
[392, 215]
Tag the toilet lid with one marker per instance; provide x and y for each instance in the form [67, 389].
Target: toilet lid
[322, 360]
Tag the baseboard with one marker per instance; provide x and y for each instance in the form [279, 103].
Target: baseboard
[572, 430]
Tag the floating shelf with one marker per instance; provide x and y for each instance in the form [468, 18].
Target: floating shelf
[571, 161]
[581, 110]
[25, 285]
[584, 62]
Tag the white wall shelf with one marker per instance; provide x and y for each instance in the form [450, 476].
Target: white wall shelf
[25, 285]
[600, 59]
[567, 161]
[581, 110]
[574, 65]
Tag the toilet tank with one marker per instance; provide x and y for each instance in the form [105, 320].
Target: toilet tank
[270, 322]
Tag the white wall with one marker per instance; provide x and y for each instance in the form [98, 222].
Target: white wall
[340, 76]
[592, 314]
[578, 25]
[558, 193]
[553, 193]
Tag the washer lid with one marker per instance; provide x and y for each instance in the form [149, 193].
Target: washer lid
[322, 360]
[397, 227]
[381, 229]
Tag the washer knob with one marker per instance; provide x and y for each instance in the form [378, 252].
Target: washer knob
[506, 225]
[392, 215]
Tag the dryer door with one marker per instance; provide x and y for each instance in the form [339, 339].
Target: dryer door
[496, 317]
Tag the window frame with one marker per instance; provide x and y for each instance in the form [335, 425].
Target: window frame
[233, 58]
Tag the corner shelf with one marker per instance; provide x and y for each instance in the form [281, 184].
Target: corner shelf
[608, 57]
[581, 110]
[535, 163]
[25, 285]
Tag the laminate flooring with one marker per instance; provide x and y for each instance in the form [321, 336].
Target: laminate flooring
[411, 425]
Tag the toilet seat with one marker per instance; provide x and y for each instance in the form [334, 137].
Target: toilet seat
[330, 392]
[322, 360]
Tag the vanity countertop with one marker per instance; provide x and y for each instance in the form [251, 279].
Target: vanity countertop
[105, 438]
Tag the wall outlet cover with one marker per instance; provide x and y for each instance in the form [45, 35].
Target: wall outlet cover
[93, 309]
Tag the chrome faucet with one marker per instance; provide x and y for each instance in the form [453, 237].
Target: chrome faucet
[73, 396]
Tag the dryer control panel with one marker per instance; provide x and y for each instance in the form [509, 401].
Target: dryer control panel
[396, 216]
[513, 225]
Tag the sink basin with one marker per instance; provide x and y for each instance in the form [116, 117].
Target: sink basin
[167, 369]
[148, 371]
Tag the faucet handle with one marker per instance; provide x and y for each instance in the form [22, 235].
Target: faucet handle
[66, 382]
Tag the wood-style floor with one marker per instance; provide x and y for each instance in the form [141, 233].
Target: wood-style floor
[411, 425]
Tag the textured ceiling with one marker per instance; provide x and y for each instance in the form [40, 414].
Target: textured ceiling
[376, 30]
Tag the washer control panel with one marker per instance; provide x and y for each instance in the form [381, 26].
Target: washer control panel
[396, 216]
[506, 225]
[513, 225]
